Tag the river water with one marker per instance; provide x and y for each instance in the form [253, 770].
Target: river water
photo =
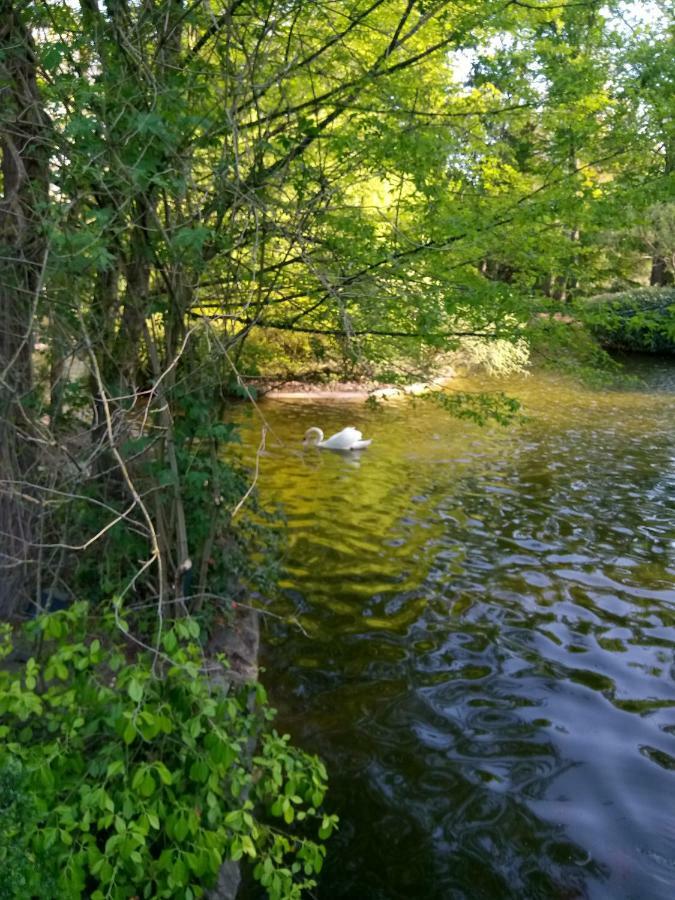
[488, 665]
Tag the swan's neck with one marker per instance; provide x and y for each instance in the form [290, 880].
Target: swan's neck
[314, 431]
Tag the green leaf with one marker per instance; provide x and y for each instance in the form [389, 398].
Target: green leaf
[115, 768]
[169, 641]
[135, 690]
[179, 873]
[52, 57]
[199, 771]
[147, 785]
[180, 828]
[163, 773]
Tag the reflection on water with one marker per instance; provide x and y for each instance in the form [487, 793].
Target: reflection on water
[489, 671]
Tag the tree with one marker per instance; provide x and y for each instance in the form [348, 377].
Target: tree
[24, 145]
[649, 79]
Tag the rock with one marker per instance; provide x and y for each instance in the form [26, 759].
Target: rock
[386, 393]
[416, 389]
[239, 640]
[229, 881]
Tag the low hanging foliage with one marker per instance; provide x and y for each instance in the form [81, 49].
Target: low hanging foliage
[128, 774]
[481, 408]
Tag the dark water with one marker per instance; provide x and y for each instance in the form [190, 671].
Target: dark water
[489, 672]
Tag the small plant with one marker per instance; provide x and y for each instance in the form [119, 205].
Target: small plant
[131, 774]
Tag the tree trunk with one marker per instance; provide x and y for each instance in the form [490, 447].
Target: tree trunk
[25, 159]
[660, 274]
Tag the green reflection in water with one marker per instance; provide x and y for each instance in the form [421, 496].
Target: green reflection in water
[489, 668]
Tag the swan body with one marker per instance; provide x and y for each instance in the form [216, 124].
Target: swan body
[347, 439]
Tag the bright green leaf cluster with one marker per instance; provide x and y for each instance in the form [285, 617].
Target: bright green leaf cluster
[133, 780]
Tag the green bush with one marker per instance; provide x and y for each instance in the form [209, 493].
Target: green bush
[641, 320]
[131, 775]
[22, 872]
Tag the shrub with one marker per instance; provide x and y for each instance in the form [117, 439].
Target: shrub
[641, 320]
[23, 875]
[132, 774]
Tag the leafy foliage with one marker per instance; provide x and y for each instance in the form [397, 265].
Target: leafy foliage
[23, 874]
[122, 783]
[481, 408]
[641, 319]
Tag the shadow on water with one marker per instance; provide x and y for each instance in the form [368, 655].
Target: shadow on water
[489, 673]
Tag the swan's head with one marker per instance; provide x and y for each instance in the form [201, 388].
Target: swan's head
[312, 436]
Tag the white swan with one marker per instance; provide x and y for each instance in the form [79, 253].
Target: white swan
[347, 439]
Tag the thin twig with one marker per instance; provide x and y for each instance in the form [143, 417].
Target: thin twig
[251, 487]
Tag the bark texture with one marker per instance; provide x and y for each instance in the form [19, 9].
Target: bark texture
[24, 163]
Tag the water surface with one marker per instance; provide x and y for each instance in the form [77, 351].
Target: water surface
[488, 664]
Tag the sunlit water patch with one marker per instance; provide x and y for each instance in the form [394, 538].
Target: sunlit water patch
[488, 664]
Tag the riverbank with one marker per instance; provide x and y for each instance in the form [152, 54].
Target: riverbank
[351, 391]
[238, 641]
[406, 376]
